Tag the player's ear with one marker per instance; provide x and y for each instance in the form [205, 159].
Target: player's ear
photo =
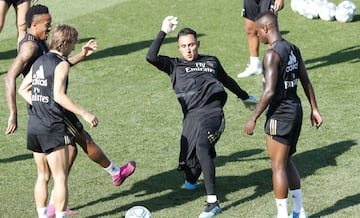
[198, 44]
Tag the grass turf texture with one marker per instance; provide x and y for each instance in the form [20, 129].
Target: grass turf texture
[140, 118]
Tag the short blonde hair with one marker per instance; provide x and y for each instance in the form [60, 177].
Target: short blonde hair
[63, 35]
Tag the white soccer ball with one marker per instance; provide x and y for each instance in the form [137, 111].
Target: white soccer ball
[327, 11]
[138, 212]
[295, 5]
[311, 10]
[345, 11]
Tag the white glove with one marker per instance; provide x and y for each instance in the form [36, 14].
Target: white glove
[169, 24]
[251, 103]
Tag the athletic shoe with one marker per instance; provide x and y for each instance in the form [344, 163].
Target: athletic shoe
[211, 210]
[302, 214]
[250, 70]
[125, 171]
[50, 211]
[189, 186]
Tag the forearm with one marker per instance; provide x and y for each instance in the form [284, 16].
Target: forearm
[76, 58]
[154, 49]
[10, 92]
[69, 105]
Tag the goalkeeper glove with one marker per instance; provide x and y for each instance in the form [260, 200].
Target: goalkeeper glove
[169, 24]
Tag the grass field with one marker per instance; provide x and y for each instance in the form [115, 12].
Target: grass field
[140, 117]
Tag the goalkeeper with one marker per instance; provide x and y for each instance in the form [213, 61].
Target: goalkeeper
[198, 81]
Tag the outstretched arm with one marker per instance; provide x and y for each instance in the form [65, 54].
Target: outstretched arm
[87, 49]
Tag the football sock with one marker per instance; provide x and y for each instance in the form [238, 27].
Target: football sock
[282, 207]
[297, 200]
[61, 214]
[112, 169]
[211, 198]
[41, 212]
[254, 61]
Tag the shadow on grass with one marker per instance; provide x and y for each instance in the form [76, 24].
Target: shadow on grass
[350, 54]
[129, 48]
[307, 162]
[339, 205]
[17, 158]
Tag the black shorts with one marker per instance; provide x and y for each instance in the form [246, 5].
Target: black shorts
[14, 2]
[285, 132]
[47, 143]
[73, 123]
[252, 8]
[200, 128]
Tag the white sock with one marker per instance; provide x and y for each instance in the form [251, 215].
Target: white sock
[41, 212]
[61, 214]
[255, 61]
[211, 198]
[112, 169]
[282, 207]
[297, 200]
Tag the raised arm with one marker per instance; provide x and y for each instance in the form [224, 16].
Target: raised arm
[87, 49]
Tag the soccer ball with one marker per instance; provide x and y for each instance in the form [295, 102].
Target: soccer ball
[138, 212]
[345, 11]
[327, 11]
[311, 10]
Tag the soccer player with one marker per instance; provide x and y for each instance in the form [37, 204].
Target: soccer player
[48, 136]
[32, 46]
[283, 67]
[21, 7]
[198, 81]
[251, 8]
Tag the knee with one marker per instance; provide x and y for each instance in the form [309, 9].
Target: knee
[43, 177]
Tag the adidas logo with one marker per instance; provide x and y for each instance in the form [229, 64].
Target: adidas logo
[292, 63]
[39, 78]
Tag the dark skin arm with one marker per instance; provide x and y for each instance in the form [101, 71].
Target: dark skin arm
[315, 117]
[26, 54]
[271, 62]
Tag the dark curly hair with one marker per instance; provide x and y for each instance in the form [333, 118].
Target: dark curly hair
[35, 10]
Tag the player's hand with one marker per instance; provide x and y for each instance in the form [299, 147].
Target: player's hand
[316, 119]
[91, 119]
[89, 48]
[278, 5]
[169, 24]
[249, 127]
[251, 103]
[12, 124]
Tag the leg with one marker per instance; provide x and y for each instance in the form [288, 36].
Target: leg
[254, 66]
[252, 39]
[21, 11]
[59, 164]
[4, 7]
[278, 153]
[92, 150]
[95, 153]
[43, 176]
